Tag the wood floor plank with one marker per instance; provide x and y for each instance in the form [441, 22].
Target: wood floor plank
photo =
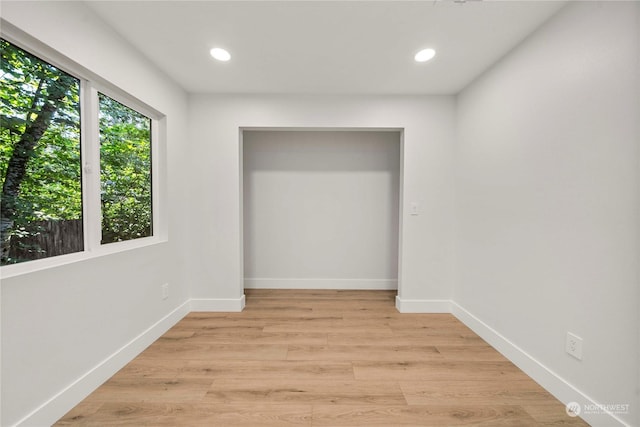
[362, 352]
[435, 416]
[80, 414]
[150, 368]
[177, 334]
[197, 414]
[198, 350]
[431, 329]
[553, 415]
[120, 389]
[268, 338]
[385, 314]
[315, 391]
[219, 327]
[271, 310]
[268, 369]
[470, 353]
[473, 393]
[437, 371]
[415, 320]
[322, 358]
[270, 317]
[331, 326]
[205, 315]
[395, 339]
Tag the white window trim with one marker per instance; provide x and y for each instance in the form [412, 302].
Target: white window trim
[90, 85]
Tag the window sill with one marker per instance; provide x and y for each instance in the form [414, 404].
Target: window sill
[28, 267]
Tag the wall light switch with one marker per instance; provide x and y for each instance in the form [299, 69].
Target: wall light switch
[415, 208]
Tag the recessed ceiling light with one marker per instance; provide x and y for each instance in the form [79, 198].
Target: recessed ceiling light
[220, 54]
[424, 55]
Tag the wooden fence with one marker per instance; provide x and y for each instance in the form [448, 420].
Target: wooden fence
[48, 238]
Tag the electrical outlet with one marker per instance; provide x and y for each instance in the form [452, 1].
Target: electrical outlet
[165, 291]
[573, 345]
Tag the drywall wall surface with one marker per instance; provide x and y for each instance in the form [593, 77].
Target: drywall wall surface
[426, 178]
[321, 208]
[61, 323]
[547, 198]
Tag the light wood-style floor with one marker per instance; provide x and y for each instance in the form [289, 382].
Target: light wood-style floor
[320, 358]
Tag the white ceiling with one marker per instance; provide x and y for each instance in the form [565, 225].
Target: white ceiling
[352, 47]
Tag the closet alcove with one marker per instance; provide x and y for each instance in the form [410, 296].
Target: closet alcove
[321, 208]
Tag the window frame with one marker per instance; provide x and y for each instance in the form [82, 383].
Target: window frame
[95, 150]
[90, 84]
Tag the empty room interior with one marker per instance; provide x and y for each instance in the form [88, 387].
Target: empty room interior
[320, 213]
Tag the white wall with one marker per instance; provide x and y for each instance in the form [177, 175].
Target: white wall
[321, 209]
[547, 200]
[59, 324]
[425, 241]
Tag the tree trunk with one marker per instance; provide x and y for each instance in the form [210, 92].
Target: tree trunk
[23, 151]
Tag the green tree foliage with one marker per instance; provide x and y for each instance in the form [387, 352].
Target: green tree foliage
[125, 171]
[40, 159]
[39, 145]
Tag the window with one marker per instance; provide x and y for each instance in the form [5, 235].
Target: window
[125, 172]
[53, 200]
[40, 164]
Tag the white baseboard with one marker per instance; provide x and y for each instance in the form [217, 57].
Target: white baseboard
[544, 376]
[218, 304]
[359, 284]
[423, 305]
[51, 411]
